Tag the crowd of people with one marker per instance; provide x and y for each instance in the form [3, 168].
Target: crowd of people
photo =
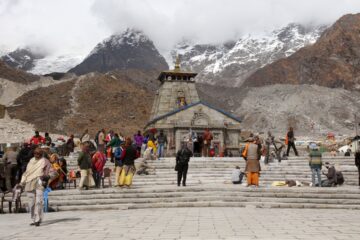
[92, 157]
[254, 150]
[40, 163]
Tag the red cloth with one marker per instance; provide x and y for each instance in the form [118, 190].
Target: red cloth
[37, 140]
[98, 161]
[108, 138]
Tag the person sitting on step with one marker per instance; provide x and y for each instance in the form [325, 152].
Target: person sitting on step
[237, 175]
[331, 180]
[144, 168]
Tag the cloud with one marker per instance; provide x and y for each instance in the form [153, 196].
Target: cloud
[212, 21]
[54, 27]
[63, 26]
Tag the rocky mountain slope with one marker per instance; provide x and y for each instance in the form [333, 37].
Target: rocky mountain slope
[90, 101]
[229, 64]
[21, 58]
[310, 109]
[333, 61]
[16, 75]
[129, 50]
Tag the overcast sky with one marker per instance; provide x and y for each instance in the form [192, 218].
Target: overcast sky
[76, 26]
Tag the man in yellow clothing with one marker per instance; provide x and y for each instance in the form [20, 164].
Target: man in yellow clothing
[151, 144]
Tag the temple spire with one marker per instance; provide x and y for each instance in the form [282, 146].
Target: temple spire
[177, 63]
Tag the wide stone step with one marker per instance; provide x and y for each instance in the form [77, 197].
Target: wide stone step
[205, 204]
[129, 197]
[211, 188]
[229, 199]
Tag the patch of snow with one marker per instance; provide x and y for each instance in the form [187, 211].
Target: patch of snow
[51, 64]
[244, 56]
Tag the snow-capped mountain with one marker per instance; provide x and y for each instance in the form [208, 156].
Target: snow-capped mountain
[229, 64]
[130, 50]
[21, 58]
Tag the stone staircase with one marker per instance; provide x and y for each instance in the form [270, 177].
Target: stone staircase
[209, 185]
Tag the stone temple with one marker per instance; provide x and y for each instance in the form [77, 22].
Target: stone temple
[177, 110]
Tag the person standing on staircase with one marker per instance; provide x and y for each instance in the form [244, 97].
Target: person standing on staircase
[84, 163]
[37, 139]
[252, 154]
[128, 156]
[101, 139]
[357, 162]
[85, 136]
[315, 163]
[138, 139]
[290, 141]
[70, 144]
[114, 143]
[207, 138]
[162, 142]
[98, 163]
[182, 163]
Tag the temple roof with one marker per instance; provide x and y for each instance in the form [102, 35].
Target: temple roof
[189, 106]
[176, 72]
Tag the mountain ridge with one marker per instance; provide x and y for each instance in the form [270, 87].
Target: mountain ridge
[333, 61]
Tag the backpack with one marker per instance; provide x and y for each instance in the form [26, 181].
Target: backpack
[340, 178]
[97, 138]
[117, 152]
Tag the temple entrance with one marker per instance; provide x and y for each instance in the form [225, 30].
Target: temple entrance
[198, 146]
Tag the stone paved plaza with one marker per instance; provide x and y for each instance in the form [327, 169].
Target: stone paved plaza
[187, 223]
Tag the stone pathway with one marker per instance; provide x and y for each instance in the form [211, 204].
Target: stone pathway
[187, 223]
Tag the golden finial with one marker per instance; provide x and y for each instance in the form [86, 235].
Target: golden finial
[177, 63]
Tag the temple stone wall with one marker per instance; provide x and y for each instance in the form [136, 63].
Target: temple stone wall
[226, 131]
[166, 99]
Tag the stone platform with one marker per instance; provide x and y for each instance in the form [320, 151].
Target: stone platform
[209, 185]
[187, 224]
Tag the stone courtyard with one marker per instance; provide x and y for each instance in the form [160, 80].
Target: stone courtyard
[210, 207]
[187, 223]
